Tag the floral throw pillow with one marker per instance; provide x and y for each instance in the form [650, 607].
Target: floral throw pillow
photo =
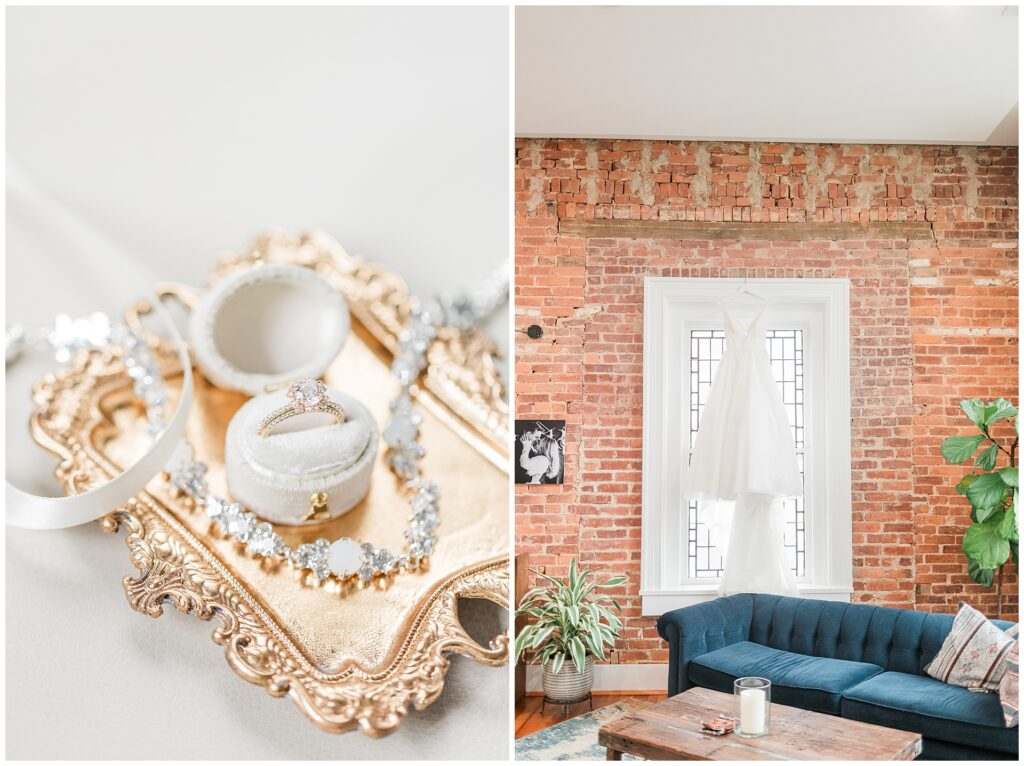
[973, 654]
[1009, 687]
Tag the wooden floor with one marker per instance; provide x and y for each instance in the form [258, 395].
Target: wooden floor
[529, 719]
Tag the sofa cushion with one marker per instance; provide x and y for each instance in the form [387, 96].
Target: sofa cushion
[931, 708]
[812, 683]
[893, 639]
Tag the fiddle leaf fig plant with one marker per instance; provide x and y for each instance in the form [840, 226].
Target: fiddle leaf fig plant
[571, 619]
[992, 538]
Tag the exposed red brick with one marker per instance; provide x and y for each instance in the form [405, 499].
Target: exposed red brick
[932, 322]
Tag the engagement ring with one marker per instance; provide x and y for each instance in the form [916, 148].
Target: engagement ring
[306, 396]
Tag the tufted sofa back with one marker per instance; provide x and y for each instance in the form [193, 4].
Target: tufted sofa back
[894, 639]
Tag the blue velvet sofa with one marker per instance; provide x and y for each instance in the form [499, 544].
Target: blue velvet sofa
[856, 661]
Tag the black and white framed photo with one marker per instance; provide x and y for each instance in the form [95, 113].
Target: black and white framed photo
[540, 451]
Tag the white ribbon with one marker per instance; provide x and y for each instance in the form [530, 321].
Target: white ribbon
[24, 509]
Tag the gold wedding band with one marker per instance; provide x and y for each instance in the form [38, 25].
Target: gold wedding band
[306, 396]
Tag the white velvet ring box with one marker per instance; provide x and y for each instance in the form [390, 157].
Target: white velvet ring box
[276, 475]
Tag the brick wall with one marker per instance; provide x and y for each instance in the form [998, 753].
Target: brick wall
[933, 320]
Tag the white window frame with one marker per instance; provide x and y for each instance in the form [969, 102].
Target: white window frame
[672, 307]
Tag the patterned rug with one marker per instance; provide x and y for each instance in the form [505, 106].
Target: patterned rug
[576, 738]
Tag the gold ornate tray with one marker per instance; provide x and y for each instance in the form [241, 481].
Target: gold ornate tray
[348, 656]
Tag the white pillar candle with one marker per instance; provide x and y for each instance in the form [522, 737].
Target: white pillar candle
[752, 709]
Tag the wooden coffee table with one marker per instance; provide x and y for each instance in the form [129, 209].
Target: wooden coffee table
[671, 731]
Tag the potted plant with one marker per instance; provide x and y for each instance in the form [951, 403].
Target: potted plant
[992, 538]
[571, 621]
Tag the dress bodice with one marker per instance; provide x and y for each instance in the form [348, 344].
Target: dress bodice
[738, 335]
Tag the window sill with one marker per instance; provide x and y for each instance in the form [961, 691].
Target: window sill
[656, 603]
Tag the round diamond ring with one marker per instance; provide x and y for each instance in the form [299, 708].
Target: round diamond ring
[306, 396]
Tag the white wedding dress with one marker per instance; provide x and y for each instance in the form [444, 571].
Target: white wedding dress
[744, 464]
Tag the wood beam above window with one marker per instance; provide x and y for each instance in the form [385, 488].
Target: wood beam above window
[605, 228]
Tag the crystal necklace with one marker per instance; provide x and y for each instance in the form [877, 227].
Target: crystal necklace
[341, 559]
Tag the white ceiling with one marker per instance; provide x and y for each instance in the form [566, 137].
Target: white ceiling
[926, 74]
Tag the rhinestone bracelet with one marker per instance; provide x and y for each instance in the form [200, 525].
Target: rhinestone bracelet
[67, 336]
[343, 558]
[346, 558]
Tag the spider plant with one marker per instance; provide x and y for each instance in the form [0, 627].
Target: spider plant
[571, 619]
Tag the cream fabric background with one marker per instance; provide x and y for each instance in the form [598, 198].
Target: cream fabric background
[179, 133]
